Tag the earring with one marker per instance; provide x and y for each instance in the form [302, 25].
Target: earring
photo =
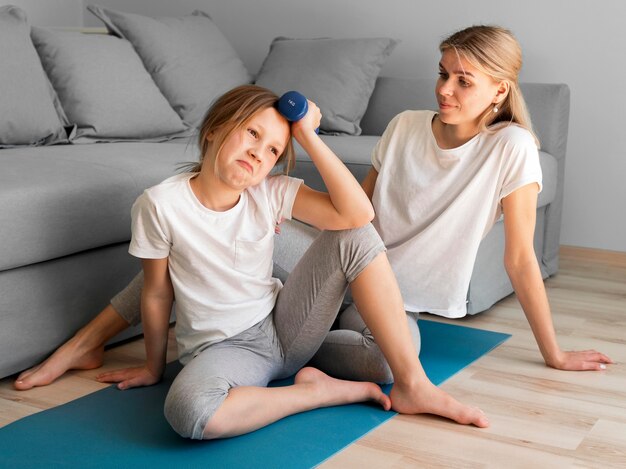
[495, 108]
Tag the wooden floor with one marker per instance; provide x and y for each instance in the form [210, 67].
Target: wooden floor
[540, 418]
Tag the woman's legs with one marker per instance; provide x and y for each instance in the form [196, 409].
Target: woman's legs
[85, 349]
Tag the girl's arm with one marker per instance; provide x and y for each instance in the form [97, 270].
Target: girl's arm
[345, 205]
[156, 303]
[521, 265]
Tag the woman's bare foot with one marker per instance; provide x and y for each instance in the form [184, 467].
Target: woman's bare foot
[334, 391]
[70, 356]
[429, 399]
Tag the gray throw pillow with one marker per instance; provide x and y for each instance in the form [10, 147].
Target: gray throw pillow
[337, 74]
[189, 59]
[28, 115]
[104, 88]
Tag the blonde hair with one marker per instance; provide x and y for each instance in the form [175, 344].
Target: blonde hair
[494, 51]
[230, 113]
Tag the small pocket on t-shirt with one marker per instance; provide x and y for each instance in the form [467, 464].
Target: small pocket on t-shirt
[255, 257]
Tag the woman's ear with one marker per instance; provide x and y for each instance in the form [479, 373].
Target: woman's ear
[502, 91]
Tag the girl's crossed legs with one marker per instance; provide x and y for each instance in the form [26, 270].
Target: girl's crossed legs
[222, 391]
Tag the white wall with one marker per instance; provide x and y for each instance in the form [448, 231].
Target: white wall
[54, 13]
[580, 43]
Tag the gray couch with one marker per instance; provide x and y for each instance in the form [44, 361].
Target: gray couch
[65, 217]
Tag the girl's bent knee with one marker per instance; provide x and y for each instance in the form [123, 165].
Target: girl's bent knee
[189, 410]
[357, 248]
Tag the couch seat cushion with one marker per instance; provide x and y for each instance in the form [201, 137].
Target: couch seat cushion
[356, 153]
[60, 200]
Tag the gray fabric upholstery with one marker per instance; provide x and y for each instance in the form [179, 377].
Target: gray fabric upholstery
[206, 65]
[104, 88]
[42, 305]
[66, 199]
[28, 114]
[341, 87]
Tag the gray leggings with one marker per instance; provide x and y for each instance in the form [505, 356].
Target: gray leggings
[278, 346]
[348, 352]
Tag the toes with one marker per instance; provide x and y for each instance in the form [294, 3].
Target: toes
[21, 385]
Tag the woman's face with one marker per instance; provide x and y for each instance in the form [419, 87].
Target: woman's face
[250, 152]
[463, 92]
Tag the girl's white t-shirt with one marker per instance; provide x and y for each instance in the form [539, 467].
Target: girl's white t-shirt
[434, 206]
[220, 263]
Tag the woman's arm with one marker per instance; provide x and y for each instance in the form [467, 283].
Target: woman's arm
[345, 205]
[521, 265]
[156, 304]
[369, 183]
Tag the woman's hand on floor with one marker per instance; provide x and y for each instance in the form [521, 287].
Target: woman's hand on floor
[129, 377]
[580, 361]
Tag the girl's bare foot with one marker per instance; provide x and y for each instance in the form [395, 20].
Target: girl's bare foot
[70, 356]
[334, 391]
[429, 399]
[84, 351]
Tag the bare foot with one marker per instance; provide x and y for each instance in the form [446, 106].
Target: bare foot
[334, 391]
[70, 356]
[429, 399]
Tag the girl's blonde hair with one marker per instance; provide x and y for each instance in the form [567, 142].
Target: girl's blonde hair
[494, 51]
[230, 113]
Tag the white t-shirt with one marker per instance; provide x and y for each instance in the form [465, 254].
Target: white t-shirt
[438, 204]
[220, 263]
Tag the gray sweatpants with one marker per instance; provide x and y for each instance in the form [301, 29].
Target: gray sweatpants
[276, 347]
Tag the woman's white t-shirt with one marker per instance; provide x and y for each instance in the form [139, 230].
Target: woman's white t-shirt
[220, 263]
[434, 206]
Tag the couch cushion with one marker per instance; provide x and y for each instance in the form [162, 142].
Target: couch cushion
[28, 114]
[188, 57]
[356, 154]
[60, 200]
[337, 74]
[104, 88]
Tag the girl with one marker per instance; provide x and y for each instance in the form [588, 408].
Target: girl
[206, 237]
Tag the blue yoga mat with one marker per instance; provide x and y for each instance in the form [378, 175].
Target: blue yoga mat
[112, 428]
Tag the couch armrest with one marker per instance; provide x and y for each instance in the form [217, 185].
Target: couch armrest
[548, 105]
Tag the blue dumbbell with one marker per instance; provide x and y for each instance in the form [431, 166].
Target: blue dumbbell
[293, 106]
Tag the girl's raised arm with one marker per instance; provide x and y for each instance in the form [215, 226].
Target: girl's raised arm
[345, 205]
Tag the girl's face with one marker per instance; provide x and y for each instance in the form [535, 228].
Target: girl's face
[250, 153]
[464, 92]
